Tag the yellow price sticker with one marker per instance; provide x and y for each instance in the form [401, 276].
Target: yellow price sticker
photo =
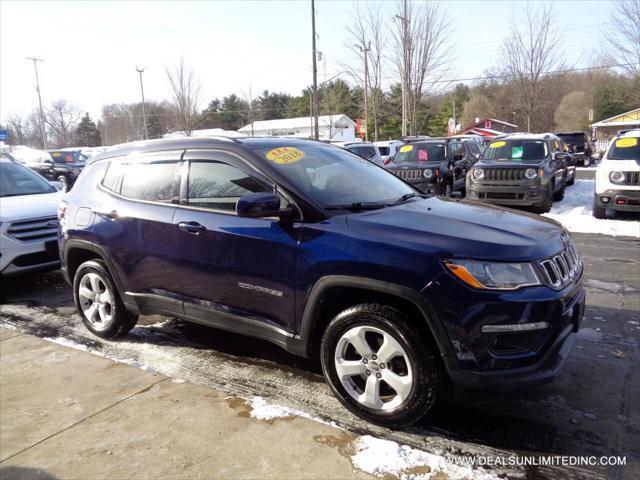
[56, 154]
[626, 142]
[497, 144]
[406, 148]
[285, 155]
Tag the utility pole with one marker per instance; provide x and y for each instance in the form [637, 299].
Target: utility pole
[43, 131]
[140, 70]
[406, 51]
[314, 102]
[365, 52]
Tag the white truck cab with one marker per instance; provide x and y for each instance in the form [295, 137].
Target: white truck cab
[617, 184]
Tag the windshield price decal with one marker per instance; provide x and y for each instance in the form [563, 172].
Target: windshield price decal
[406, 148]
[516, 152]
[285, 155]
[626, 142]
[497, 144]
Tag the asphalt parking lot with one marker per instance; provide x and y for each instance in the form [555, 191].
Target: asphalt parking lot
[590, 409]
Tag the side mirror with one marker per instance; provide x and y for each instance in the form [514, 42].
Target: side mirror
[558, 156]
[596, 156]
[257, 205]
[48, 162]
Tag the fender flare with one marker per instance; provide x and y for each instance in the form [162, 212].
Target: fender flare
[310, 320]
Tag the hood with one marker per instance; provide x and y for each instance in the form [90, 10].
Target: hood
[462, 229]
[509, 164]
[25, 207]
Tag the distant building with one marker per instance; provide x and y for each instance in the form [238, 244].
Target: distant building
[339, 128]
[608, 127]
[489, 127]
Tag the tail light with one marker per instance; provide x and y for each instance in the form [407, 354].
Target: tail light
[437, 172]
[387, 161]
[62, 209]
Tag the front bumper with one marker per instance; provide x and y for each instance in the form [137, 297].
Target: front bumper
[620, 199]
[18, 258]
[526, 194]
[508, 361]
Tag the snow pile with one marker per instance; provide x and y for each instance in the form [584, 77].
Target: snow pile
[574, 212]
[385, 458]
[261, 410]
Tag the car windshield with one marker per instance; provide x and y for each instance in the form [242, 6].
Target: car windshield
[16, 179]
[574, 139]
[68, 157]
[515, 151]
[422, 152]
[336, 178]
[384, 150]
[625, 148]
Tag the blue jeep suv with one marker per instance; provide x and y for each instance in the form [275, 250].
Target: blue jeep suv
[327, 255]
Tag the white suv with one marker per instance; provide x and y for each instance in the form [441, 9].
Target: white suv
[28, 220]
[618, 175]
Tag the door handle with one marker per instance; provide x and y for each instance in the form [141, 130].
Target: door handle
[191, 227]
[112, 215]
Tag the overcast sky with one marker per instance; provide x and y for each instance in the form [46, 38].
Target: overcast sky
[91, 48]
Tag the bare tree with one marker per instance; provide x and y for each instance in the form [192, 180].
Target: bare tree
[530, 52]
[19, 129]
[186, 96]
[572, 112]
[366, 31]
[61, 119]
[421, 55]
[622, 39]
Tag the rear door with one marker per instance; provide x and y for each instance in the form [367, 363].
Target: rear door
[134, 223]
[244, 266]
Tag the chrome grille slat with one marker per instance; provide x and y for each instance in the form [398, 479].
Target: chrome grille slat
[632, 178]
[33, 230]
[562, 268]
[504, 174]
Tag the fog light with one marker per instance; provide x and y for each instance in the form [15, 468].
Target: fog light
[604, 199]
[515, 327]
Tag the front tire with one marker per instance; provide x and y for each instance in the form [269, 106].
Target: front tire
[379, 366]
[64, 182]
[99, 303]
[598, 211]
[559, 195]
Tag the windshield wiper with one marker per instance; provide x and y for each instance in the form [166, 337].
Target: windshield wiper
[407, 196]
[357, 206]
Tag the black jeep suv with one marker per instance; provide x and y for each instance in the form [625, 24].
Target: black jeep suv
[578, 145]
[398, 295]
[520, 169]
[436, 166]
[63, 166]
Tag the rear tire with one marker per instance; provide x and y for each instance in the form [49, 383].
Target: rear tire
[598, 211]
[573, 179]
[99, 303]
[379, 366]
[64, 182]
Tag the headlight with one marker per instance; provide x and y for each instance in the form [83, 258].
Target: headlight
[531, 173]
[493, 276]
[478, 174]
[616, 177]
[427, 173]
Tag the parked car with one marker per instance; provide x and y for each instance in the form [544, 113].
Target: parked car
[326, 255]
[388, 149]
[27, 155]
[28, 220]
[522, 169]
[617, 184]
[571, 162]
[579, 145]
[62, 166]
[366, 150]
[436, 166]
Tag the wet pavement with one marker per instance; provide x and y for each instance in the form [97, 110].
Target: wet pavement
[592, 408]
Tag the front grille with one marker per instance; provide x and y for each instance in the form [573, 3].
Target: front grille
[504, 174]
[561, 269]
[632, 178]
[34, 230]
[413, 174]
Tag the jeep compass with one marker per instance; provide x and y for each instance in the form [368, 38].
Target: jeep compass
[327, 255]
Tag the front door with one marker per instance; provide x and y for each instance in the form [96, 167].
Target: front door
[232, 265]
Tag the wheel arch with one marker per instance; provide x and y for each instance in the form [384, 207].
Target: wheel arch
[76, 252]
[332, 294]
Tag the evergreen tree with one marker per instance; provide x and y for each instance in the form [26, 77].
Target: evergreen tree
[87, 134]
[233, 113]
[154, 129]
[272, 106]
[210, 116]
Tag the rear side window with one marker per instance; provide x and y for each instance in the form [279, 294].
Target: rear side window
[111, 178]
[218, 185]
[152, 182]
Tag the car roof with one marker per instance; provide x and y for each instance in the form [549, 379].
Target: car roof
[525, 136]
[570, 133]
[631, 133]
[251, 143]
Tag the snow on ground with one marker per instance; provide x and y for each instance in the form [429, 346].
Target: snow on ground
[574, 212]
[385, 458]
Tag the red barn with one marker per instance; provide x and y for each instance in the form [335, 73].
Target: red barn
[489, 127]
